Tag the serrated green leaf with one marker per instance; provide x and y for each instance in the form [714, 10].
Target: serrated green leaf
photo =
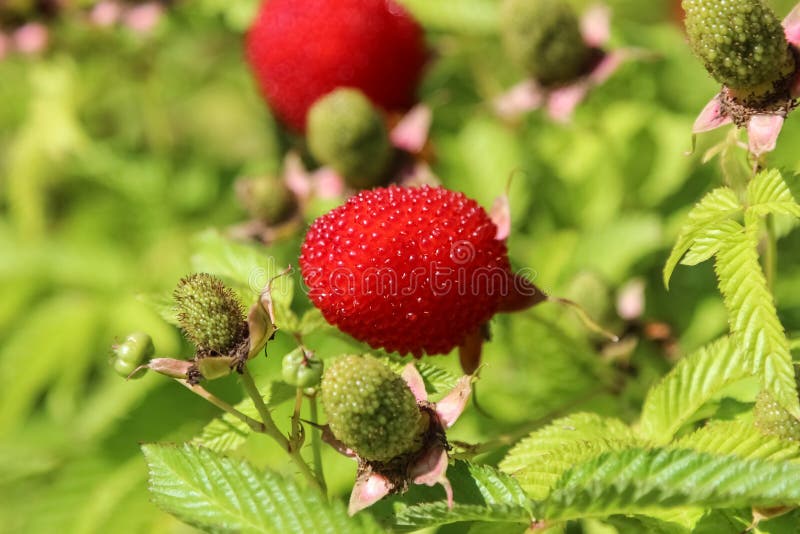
[539, 460]
[694, 381]
[768, 193]
[715, 208]
[739, 438]
[225, 495]
[312, 322]
[753, 318]
[499, 498]
[227, 433]
[636, 480]
[246, 267]
[437, 380]
[163, 305]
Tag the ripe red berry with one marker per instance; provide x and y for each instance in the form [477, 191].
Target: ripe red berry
[300, 50]
[407, 269]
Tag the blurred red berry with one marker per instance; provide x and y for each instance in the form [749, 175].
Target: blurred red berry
[300, 50]
[412, 270]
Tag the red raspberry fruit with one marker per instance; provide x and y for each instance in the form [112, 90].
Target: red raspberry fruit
[300, 50]
[412, 270]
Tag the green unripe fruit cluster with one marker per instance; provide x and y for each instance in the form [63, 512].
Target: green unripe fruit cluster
[136, 350]
[544, 38]
[301, 369]
[370, 408]
[346, 132]
[741, 42]
[209, 313]
[774, 420]
[266, 198]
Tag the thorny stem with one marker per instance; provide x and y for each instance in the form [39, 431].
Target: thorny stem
[316, 444]
[295, 439]
[771, 253]
[256, 426]
[590, 323]
[271, 429]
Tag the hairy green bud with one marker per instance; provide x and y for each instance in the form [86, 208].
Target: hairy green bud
[741, 42]
[773, 420]
[544, 38]
[266, 198]
[346, 132]
[136, 350]
[370, 408]
[209, 313]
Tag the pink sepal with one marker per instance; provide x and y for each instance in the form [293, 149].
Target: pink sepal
[144, 17]
[105, 13]
[416, 174]
[411, 133]
[501, 217]
[450, 408]
[562, 102]
[31, 38]
[596, 26]
[369, 488]
[524, 97]
[415, 383]
[431, 469]
[711, 117]
[5, 45]
[763, 132]
[608, 66]
[324, 182]
[791, 26]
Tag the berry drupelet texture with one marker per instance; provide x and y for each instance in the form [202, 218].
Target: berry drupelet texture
[412, 270]
[346, 132]
[300, 50]
[544, 38]
[741, 42]
[209, 313]
[370, 408]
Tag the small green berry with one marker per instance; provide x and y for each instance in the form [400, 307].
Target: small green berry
[773, 420]
[136, 350]
[209, 313]
[346, 132]
[544, 38]
[741, 42]
[266, 198]
[370, 408]
[301, 369]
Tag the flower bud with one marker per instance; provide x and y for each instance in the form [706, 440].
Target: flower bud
[301, 369]
[266, 198]
[135, 351]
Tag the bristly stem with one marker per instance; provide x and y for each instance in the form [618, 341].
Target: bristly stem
[316, 444]
[256, 426]
[771, 253]
[272, 430]
[296, 439]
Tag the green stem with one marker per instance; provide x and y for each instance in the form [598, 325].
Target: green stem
[296, 440]
[771, 253]
[316, 445]
[272, 430]
[256, 426]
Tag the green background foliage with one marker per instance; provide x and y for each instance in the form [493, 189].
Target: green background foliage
[118, 153]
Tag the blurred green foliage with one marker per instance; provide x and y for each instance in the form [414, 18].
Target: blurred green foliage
[118, 149]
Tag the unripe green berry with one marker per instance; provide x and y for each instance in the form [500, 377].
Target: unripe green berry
[136, 350]
[209, 313]
[773, 420]
[346, 132]
[266, 198]
[741, 42]
[300, 368]
[370, 408]
[544, 38]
